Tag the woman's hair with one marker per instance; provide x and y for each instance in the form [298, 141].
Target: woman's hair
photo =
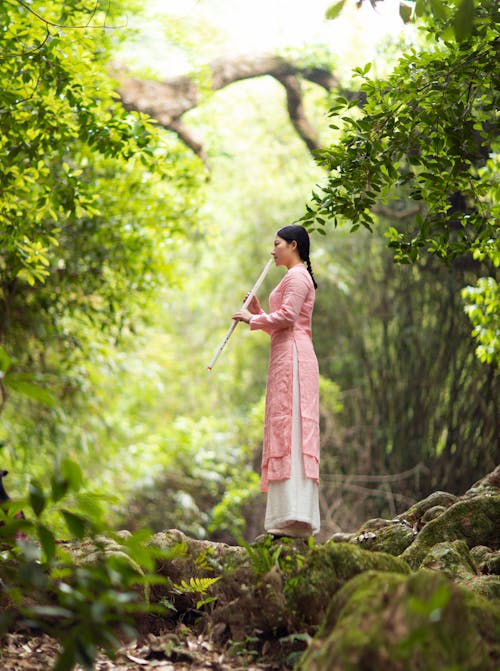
[301, 237]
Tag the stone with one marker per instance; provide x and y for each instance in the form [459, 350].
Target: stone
[397, 622]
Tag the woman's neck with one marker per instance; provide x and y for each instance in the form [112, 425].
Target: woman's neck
[294, 263]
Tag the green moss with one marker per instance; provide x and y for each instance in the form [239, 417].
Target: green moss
[475, 521]
[392, 622]
[417, 511]
[487, 586]
[393, 538]
[326, 569]
[432, 513]
[453, 559]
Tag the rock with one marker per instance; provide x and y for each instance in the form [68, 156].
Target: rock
[325, 569]
[475, 521]
[374, 524]
[487, 486]
[487, 560]
[432, 513]
[397, 622]
[479, 553]
[188, 558]
[340, 537]
[393, 538]
[492, 564]
[453, 559]
[485, 585]
[413, 516]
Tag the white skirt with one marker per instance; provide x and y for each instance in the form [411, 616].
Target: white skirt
[296, 499]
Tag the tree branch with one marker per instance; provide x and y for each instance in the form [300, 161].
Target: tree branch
[169, 100]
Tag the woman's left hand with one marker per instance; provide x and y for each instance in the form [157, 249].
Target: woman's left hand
[242, 315]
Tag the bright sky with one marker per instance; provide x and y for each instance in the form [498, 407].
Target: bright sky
[262, 26]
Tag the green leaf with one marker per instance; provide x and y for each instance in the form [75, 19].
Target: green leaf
[405, 12]
[72, 472]
[60, 486]
[75, 523]
[5, 361]
[464, 20]
[439, 9]
[334, 10]
[20, 382]
[47, 541]
[37, 498]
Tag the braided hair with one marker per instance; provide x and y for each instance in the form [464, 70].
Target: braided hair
[301, 237]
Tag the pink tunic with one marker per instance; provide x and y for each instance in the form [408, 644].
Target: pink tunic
[291, 304]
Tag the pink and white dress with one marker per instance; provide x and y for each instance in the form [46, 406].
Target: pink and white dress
[290, 459]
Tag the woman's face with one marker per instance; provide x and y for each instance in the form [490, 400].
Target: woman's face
[284, 252]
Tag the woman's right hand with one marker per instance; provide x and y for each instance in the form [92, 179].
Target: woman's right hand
[254, 305]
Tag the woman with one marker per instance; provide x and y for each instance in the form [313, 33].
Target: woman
[290, 459]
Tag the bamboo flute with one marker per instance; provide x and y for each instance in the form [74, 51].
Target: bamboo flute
[246, 303]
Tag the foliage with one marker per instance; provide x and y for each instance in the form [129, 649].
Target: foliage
[460, 15]
[76, 264]
[483, 309]
[413, 391]
[429, 126]
[85, 598]
[197, 586]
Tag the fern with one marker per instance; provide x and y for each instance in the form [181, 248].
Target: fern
[195, 585]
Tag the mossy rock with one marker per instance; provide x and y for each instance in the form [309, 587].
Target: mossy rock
[393, 538]
[487, 560]
[475, 521]
[373, 524]
[453, 559]
[480, 553]
[325, 569]
[188, 558]
[395, 622]
[341, 537]
[431, 514]
[487, 486]
[414, 515]
[485, 585]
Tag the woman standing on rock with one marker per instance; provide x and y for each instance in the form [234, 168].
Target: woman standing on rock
[290, 459]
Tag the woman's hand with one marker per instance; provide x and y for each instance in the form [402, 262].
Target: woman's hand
[254, 305]
[242, 315]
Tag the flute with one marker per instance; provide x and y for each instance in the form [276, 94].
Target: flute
[248, 299]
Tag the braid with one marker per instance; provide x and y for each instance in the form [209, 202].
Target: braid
[308, 263]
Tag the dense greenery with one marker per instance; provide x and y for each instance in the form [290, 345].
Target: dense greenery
[120, 265]
[431, 127]
[76, 264]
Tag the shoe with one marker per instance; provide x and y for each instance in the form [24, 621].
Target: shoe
[290, 532]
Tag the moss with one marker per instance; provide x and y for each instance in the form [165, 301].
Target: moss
[487, 486]
[392, 622]
[415, 514]
[453, 559]
[432, 513]
[325, 570]
[487, 586]
[487, 560]
[393, 538]
[475, 521]
[480, 553]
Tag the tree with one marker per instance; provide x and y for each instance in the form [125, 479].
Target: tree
[168, 101]
[431, 126]
[76, 265]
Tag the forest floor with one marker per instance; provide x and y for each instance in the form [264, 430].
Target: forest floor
[23, 652]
